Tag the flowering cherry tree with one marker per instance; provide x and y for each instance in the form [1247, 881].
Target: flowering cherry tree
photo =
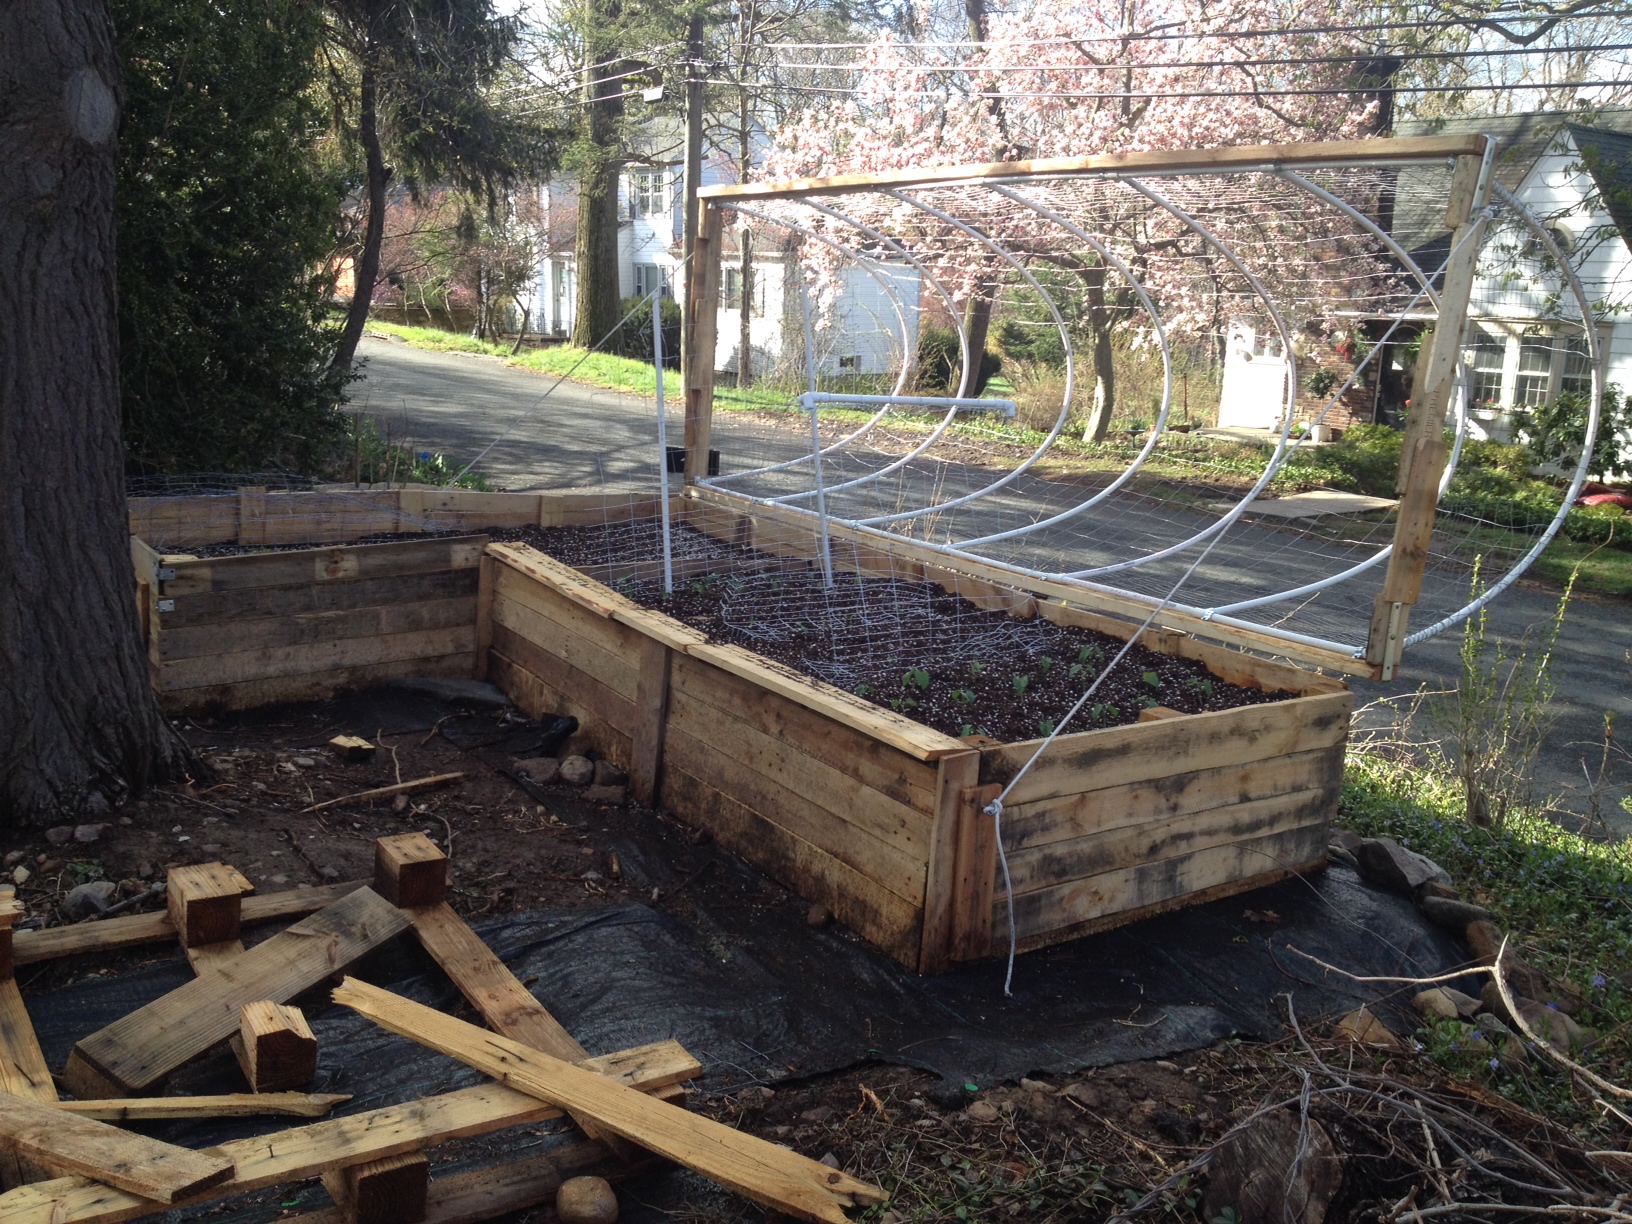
[1070, 78]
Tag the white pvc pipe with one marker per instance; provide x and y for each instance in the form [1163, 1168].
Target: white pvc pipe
[662, 439]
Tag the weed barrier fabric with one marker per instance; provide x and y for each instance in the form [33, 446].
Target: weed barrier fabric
[760, 997]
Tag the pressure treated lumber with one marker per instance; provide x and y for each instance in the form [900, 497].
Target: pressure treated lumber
[280, 1053]
[307, 1151]
[385, 792]
[65, 1143]
[388, 1191]
[227, 1105]
[769, 1175]
[135, 1053]
[10, 911]
[410, 870]
[114, 934]
[23, 1073]
[205, 902]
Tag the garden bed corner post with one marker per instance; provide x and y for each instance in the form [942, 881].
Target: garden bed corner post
[697, 350]
[1423, 453]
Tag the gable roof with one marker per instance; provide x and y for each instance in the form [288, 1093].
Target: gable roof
[1607, 156]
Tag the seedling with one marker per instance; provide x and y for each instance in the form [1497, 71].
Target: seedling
[1148, 703]
[970, 729]
[976, 667]
[1200, 685]
[864, 690]
[1045, 726]
[1044, 663]
[1090, 654]
[915, 677]
[1021, 684]
[1152, 679]
[1074, 670]
[965, 696]
[1103, 711]
[903, 703]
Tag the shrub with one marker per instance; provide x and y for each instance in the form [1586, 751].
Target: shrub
[636, 339]
[939, 362]
[1556, 430]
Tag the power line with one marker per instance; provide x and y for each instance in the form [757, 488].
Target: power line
[1118, 95]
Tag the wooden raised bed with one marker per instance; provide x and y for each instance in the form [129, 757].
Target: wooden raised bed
[875, 816]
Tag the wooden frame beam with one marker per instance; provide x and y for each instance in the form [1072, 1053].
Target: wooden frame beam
[1175, 161]
[697, 348]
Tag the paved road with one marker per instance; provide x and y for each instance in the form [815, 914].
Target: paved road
[580, 436]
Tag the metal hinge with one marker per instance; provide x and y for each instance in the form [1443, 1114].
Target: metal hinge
[167, 605]
[167, 573]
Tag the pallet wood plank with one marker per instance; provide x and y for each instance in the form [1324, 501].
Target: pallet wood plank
[139, 1050]
[319, 565]
[770, 1175]
[307, 1151]
[306, 629]
[112, 934]
[227, 1105]
[274, 662]
[1116, 756]
[66, 1143]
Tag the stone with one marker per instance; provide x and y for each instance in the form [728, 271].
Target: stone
[1390, 865]
[88, 833]
[1031, 1085]
[305, 762]
[1435, 1004]
[1362, 1027]
[87, 899]
[60, 836]
[96, 803]
[608, 774]
[330, 873]
[15, 857]
[1433, 888]
[1452, 915]
[1483, 937]
[1548, 1023]
[1485, 940]
[577, 771]
[539, 770]
[817, 1114]
[947, 1094]
[20, 875]
[399, 805]
[982, 1111]
[1344, 839]
[830, 1160]
[586, 1200]
[818, 915]
[145, 870]
[1085, 1095]
[1492, 1027]
[1268, 1172]
[616, 796]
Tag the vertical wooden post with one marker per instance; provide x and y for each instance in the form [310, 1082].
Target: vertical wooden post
[976, 878]
[484, 615]
[389, 1191]
[651, 715]
[955, 775]
[1422, 456]
[697, 351]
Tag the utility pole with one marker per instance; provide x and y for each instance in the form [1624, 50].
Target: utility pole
[693, 170]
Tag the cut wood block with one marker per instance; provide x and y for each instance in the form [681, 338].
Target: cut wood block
[227, 1105]
[204, 957]
[10, 910]
[304, 1152]
[206, 902]
[389, 1191]
[409, 870]
[352, 748]
[769, 1175]
[134, 1054]
[280, 1052]
[65, 1143]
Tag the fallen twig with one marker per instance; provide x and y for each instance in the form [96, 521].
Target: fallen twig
[385, 792]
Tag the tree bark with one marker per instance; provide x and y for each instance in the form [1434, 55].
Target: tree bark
[1099, 416]
[78, 718]
[595, 242]
[977, 324]
[366, 270]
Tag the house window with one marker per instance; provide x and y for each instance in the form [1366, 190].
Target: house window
[1266, 344]
[1575, 378]
[1535, 371]
[850, 362]
[731, 293]
[648, 277]
[648, 194]
[1485, 361]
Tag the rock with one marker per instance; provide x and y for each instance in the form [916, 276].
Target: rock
[830, 1160]
[1362, 1027]
[818, 915]
[1267, 1172]
[330, 873]
[87, 899]
[278, 879]
[1452, 915]
[399, 805]
[586, 1200]
[1435, 1004]
[541, 770]
[305, 762]
[88, 833]
[60, 836]
[982, 1111]
[1483, 938]
[577, 771]
[1390, 865]
[947, 1094]
[616, 796]
[608, 774]
[1339, 855]
[20, 875]
[145, 870]
[352, 748]
[817, 1114]
[1344, 839]
[1084, 1094]
[1433, 888]
[1031, 1085]
[96, 803]
[1548, 1023]
[15, 857]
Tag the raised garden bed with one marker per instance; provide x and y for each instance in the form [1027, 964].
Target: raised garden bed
[853, 804]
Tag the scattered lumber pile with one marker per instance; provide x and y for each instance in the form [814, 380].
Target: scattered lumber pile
[67, 1162]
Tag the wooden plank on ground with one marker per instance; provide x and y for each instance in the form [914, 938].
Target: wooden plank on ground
[136, 1052]
[66, 1143]
[1116, 756]
[227, 1105]
[769, 1175]
[306, 1151]
[23, 1070]
[112, 934]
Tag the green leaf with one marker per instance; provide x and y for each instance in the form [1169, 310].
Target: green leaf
[1152, 679]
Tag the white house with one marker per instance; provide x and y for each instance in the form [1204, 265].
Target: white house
[1525, 341]
[862, 334]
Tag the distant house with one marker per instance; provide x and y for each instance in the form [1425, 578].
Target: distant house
[864, 335]
[1525, 343]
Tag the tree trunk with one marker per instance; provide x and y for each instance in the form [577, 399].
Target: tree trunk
[366, 270]
[526, 318]
[977, 323]
[745, 335]
[595, 242]
[78, 719]
[1099, 417]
